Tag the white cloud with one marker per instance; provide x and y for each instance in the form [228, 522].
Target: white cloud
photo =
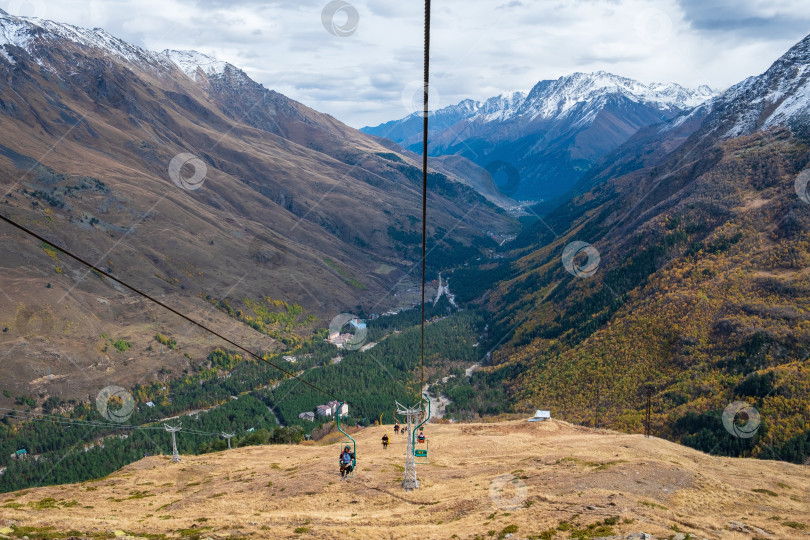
[479, 48]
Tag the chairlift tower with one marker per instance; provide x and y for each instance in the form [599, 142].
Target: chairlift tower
[228, 436]
[173, 430]
[409, 480]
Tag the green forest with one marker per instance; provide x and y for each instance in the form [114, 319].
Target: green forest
[372, 380]
[703, 301]
[230, 394]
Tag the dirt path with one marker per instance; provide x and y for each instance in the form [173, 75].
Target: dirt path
[437, 404]
[275, 417]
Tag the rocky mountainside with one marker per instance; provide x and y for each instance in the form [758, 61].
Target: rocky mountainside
[553, 134]
[682, 270]
[180, 174]
[778, 97]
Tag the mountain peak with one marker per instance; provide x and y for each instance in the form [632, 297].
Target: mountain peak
[553, 98]
[801, 49]
[778, 97]
[30, 33]
[584, 114]
[191, 62]
[501, 106]
[36, 36]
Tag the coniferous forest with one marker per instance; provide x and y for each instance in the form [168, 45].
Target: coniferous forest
[229, 394]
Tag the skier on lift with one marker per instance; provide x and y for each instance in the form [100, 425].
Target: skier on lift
[346, 458]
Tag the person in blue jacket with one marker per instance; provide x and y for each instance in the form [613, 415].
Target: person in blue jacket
[346, 459]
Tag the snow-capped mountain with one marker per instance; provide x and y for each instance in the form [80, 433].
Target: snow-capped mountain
[500, 107]
[554, 99]
[192, 62]
[778, 97]
[32, 34]
[553, 133]
[233, 90]
[93, 126]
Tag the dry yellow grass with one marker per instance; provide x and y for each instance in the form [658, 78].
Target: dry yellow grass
[570, 473]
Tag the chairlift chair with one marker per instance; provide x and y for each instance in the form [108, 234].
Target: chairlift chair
[420, 449]
[351, 442]
[421, 454]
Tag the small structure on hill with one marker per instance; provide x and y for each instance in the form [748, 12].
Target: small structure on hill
[323, 410]
[540, 416]
[308, 416]
[339, 408]
[228, 436]
[173, 430]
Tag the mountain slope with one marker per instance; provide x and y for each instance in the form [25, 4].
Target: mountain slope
[779, 97]
[698, 289]
[553, 134]
[514, 478]
[90, 128]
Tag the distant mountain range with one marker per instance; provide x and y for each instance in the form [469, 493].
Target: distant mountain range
[680, 267]
[693, 202]
[553, 134]
[91, 131]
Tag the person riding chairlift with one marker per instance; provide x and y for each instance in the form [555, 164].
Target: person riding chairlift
[346, 458]
[421, 437]
[385, 441]
[396, 428]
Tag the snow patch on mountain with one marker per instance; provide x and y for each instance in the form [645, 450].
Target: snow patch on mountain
[192, 61]
[775, 98]
[501, 107]
[554, 99]
[15, 31]
[29, 32]
[792, 106]
[550, 99]
[7, 56]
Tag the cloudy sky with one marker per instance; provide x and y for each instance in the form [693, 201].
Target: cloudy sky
[361, 60]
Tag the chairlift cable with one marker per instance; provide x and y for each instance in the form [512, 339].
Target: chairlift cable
[39, 417]
[164, 306]
[425, 89]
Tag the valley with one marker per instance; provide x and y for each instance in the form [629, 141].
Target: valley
[694, 297]
[629, 257]
[281, 211]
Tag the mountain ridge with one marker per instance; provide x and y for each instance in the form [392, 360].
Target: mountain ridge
[775, 98]
[701, 246]
[556, 96]
[91, 127]
[551, 135]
